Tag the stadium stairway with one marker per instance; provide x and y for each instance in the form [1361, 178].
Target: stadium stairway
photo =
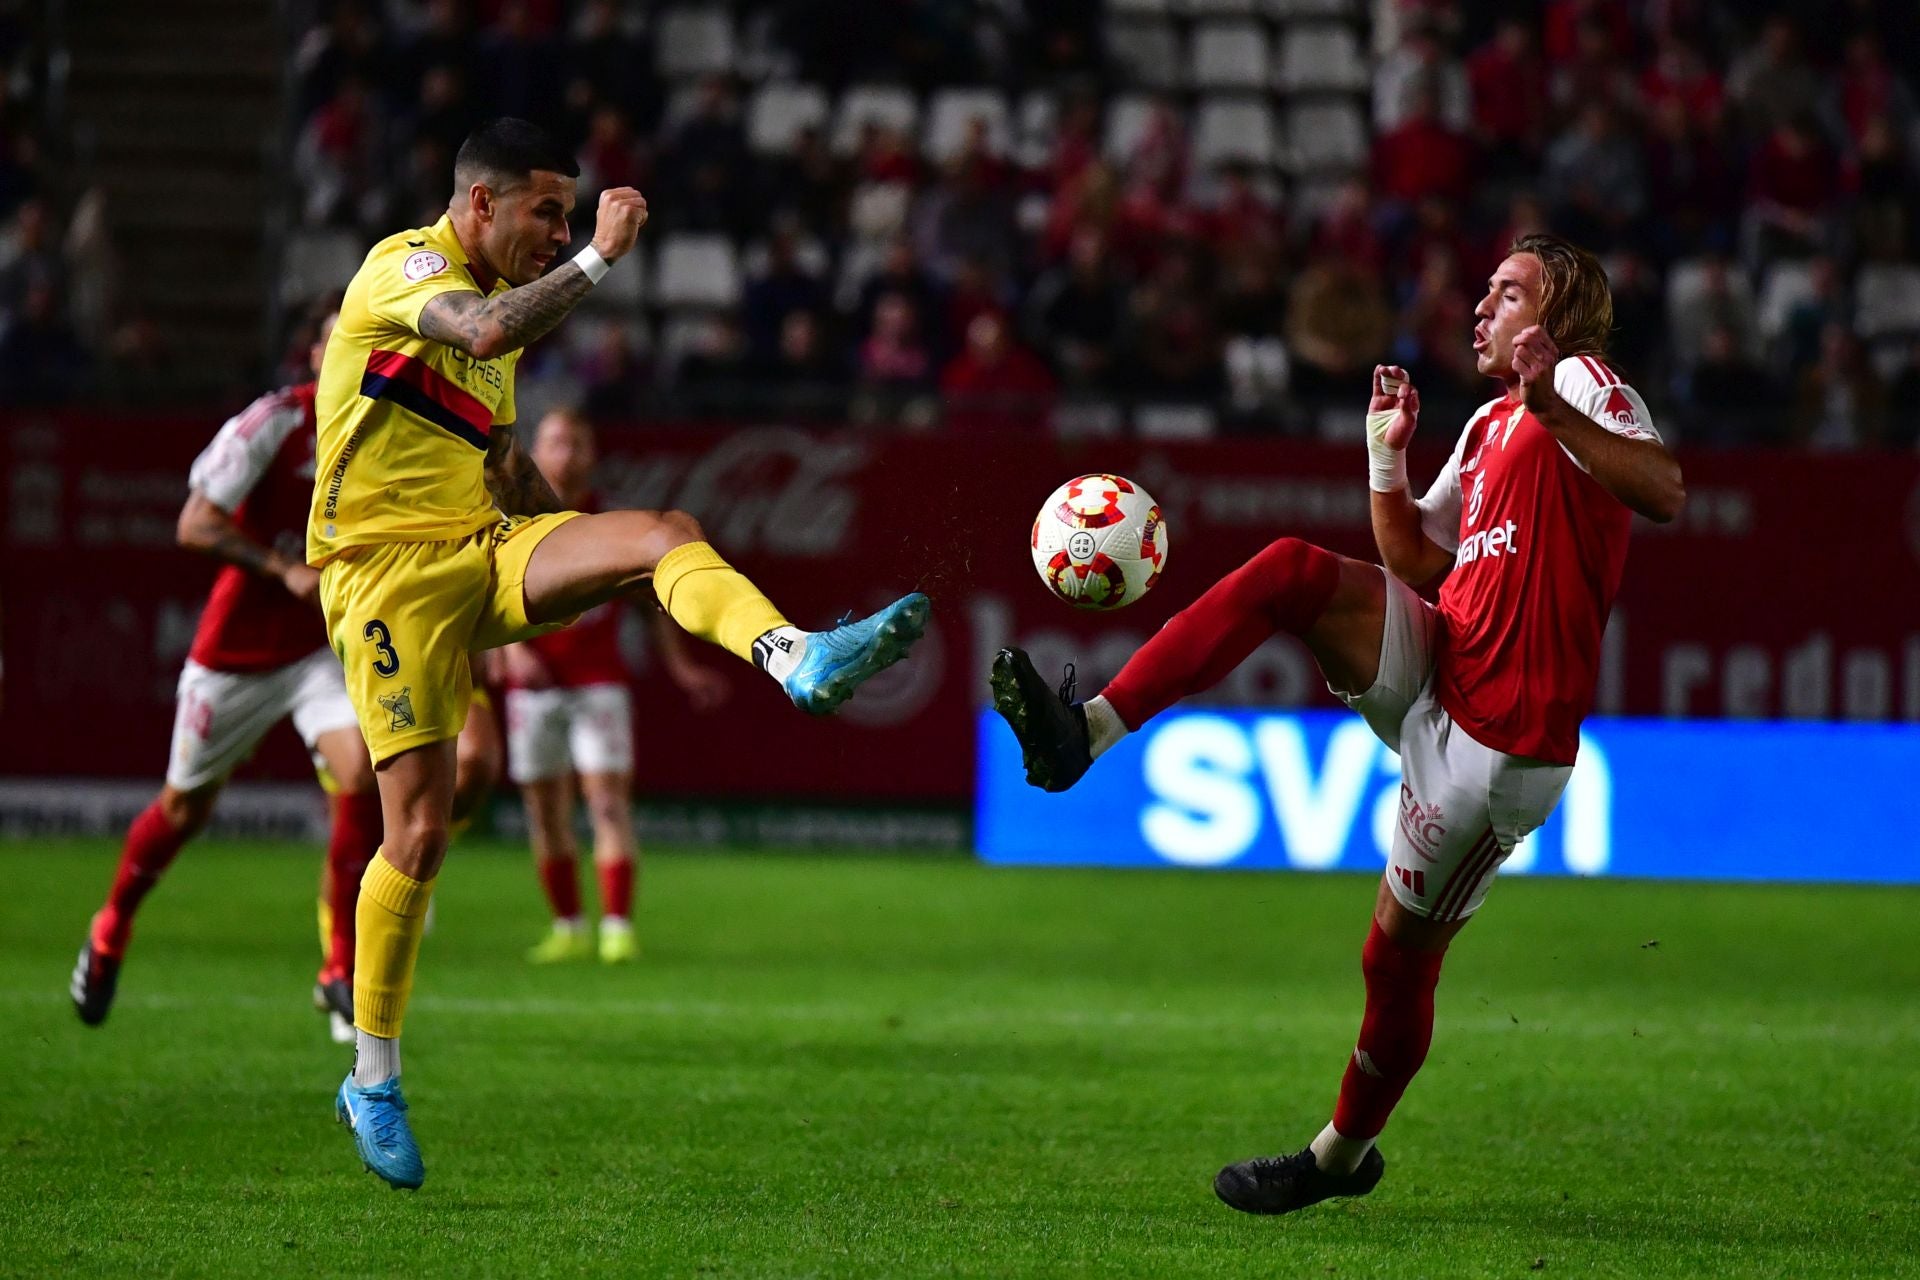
[175, 112]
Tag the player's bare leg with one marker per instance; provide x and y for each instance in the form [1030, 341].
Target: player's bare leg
[1335, 605]
[153, 841]
[616, 856]
[549, 803]
[592, 558]
[354, 837]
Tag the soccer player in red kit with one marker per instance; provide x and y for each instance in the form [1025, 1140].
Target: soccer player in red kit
[570, 715]
[1481, 696]
[259, 656]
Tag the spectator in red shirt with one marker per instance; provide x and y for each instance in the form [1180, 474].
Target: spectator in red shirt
[1423, 157]
[1158, 159]
[1242, 220]
[885, 155]
[1870, 90]
[1790, 188]
[1564, 18]
[895, 356]
[995, 384]
[1509, 88]
[1076, 142]
[1346, 230]
[1679, 74]
[1595, 73]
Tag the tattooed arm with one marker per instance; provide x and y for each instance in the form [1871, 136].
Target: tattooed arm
[204, 527]
[486, 328]
[516, 484]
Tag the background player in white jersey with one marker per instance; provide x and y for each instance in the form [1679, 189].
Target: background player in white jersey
[1482, 697]
[259, 656]
[570, 716]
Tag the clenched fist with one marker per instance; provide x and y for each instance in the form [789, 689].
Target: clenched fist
[1393, 391]
[1534, 360]
[623, 211]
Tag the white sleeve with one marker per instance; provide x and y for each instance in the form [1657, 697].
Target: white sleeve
[240, 453]
[1440, 509]
[1590, 385]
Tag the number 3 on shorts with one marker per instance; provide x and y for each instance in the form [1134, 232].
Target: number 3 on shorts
[385, 661]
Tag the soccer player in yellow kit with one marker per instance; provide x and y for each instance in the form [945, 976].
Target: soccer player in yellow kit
[436, 536]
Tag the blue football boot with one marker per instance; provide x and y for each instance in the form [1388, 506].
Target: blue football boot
[837, 662]
[377, 1115]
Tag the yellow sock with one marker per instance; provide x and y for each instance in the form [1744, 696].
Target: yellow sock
[391, 917]
[324, 910]
[711, 599]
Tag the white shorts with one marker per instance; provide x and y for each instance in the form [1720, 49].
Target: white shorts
[1463, 805]
[219, 717]
[554, 732]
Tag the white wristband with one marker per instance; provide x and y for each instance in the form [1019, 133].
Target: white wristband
[1386, 467]
[590, 261]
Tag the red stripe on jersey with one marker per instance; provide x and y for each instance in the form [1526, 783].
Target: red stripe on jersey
[1601, 374]
[423, 378]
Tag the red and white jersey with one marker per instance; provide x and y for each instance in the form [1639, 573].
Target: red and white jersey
[259, 470]
[586, 653]
[1538, 548]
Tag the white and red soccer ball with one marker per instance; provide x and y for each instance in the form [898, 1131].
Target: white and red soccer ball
[1099, 542]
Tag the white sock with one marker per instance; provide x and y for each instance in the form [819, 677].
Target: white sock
[1104, 725]
[1336, 1153]
[779, 651]
[615, 924]
[569, 926]
[375, 1058]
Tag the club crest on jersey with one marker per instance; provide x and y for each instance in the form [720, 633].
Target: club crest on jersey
[419, 266]
[400, 707]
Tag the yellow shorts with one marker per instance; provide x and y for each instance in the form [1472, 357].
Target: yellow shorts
[403, 616]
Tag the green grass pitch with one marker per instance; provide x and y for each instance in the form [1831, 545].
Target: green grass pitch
[895, 1067]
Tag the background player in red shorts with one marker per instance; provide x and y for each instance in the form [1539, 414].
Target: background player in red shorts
[259, 656]
[1482, 697]
[569, 714]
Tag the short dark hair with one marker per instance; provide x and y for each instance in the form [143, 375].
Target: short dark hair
[507, 151]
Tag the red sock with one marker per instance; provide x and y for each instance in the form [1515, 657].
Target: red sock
[1284, 588]
[1394, 1034]
[559, 877]
[151, 844]
[357, 828]
[616, 888]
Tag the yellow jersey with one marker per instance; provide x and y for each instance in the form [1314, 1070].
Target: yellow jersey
[404, 421]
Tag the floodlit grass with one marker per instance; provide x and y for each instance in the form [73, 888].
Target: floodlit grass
[864, 1067]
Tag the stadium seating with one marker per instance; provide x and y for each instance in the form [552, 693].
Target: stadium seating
[1147, 53]
[778, 113]
[694, 42]
[1326, 134]
[872, 104]
[1238, 131]
[951, 113]
[1320, 57]
[1229, 55]
[697, 270]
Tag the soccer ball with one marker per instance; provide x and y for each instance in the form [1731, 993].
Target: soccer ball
[1099, 542]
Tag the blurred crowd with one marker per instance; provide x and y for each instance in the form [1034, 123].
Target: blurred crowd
[43, 299]
[1178, 217]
